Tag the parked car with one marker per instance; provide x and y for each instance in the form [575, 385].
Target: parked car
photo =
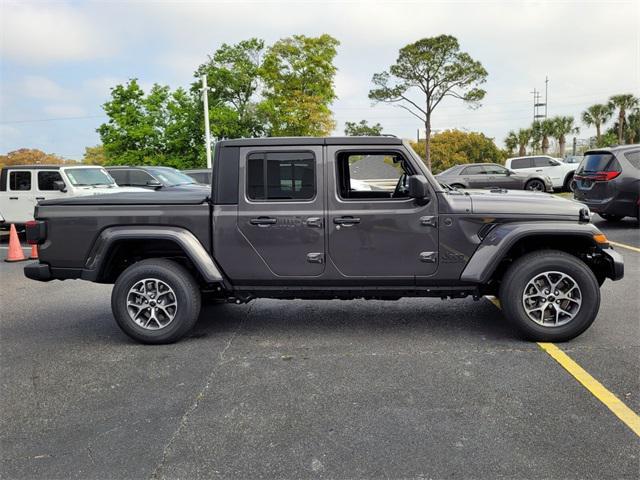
[284, 221]
[153, 178]
[573, 159]
[200, 175]
[559, 172]
[608, 182]
[492, 175]
[22, 186]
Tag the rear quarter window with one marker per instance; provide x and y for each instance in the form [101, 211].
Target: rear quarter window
[633, 157]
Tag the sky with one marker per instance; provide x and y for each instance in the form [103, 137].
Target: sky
[59, 59]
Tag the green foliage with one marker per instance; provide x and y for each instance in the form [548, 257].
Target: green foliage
[563, 126]
[453, 147]
[362, 129]
[524, 135]
[435, 68]
[511, 142]
[298, 75]
[233, 77]
[597, 115]
[153, 129]
[609, 139]
[623, 103]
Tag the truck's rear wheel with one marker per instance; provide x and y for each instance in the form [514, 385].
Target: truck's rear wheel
[550, 296]
[156, 301]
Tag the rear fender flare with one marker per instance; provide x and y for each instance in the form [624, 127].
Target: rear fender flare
[192, 247]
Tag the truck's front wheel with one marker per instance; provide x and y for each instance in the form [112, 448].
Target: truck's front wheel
[550, 296]
[156, 301]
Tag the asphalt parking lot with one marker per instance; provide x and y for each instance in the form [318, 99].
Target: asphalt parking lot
[418, 388]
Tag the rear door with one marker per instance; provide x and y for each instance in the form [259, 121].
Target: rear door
[20, 196]
[281, 207]
[476, 176]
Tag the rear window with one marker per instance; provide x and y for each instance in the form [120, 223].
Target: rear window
[19, 180]
[597, 162]
[520, 163]
[633, 158]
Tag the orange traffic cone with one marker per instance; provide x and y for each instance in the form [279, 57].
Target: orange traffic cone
[34, 252]
[15, 253]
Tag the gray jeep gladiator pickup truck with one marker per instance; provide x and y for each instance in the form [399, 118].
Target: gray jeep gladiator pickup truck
[326, 218]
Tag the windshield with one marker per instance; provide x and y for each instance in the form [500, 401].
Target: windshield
[171, 177]
[86, 177]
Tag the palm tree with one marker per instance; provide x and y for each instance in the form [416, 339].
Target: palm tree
[511, 141]
[623, 103]
[633, 126]
[597, 115]
[563, 126]
[523, 136]
[541, 131]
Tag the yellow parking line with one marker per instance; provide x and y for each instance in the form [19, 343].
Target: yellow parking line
[613, 403]
[622, 245]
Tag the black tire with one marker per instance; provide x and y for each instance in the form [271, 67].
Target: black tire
[611, 218]
[535, 185]
[524, 269]
[185, 290]
[569, 184]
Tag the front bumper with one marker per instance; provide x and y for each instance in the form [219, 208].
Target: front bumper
[616, 264]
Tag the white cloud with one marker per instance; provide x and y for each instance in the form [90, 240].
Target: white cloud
[45, 33]
[35, 86]
[64, 110]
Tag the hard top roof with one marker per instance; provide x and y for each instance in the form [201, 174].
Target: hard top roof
[296, 141]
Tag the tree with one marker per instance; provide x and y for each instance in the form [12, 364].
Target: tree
[511, 142]
[32, 156]
[453, 147]
[597, 115]
[563, 126]
[524, 136]
[94, 156]
[233, 77]
[155, 129]
[362, 129]
[298, 75]
[540, 133]
[632, 133]
[623, 103]
[436, 68]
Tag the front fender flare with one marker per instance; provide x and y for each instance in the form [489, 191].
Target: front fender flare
[182, 237]
[498, 242]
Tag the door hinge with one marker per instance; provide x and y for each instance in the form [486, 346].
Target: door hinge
[315, 257]
[429, 221]
[428, 257]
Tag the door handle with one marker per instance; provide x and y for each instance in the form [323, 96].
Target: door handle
[13, 198]
[39, 198]
[346, 221]
[313, 222]
[263, 221]
[539, 170]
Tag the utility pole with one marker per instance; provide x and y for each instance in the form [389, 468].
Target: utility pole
[546, 95]
[207, 128]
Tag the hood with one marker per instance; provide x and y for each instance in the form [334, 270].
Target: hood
[89, 190]
[523, 202]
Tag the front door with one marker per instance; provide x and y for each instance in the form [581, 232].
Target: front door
[281, 208]
[375, 230]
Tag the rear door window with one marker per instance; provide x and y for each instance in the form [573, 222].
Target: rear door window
[20, 180]
[519, 163]
[47, 178]
[281, 176]
[474, 170]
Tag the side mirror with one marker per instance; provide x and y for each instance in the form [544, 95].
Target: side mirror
[510, 172]
[59, 185]
[154, 184]
[418, 186]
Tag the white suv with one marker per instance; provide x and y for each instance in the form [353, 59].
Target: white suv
[559, 172]
[23, 186]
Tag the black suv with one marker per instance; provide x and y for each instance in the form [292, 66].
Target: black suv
[608, 182]
[152, 177]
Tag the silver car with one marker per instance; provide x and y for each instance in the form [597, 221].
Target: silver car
[492, 175]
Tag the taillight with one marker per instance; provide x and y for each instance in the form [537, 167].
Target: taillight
[36, 232]
[605, 176]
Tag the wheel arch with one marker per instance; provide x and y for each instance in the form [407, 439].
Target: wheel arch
[508, 242]
[118, 247]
